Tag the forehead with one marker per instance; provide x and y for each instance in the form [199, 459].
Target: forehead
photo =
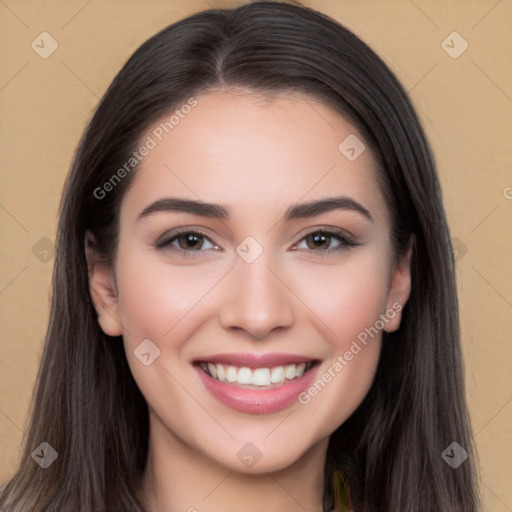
[248, 151]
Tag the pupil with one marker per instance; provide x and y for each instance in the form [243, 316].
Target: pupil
[319, 238]
[191, 239]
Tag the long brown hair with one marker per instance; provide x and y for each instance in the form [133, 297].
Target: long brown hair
[86, 403]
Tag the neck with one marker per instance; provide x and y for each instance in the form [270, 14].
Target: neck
[179, 478]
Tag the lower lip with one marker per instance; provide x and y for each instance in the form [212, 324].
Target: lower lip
[257, 401]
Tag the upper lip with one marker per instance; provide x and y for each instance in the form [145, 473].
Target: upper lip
[255, 360]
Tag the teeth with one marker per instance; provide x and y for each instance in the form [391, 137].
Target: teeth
[221, 374]
[255, 377]
[212, 370]
[300, 369]
[289, 371]
[245, 376]
[261, 377]
[277, 375]
[231, 375]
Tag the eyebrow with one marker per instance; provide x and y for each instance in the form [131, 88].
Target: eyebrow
[221, 212]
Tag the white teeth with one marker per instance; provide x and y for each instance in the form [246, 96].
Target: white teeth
[212, 370]
[261, 377]
[221, 374]
[300, 369]
[245, 376]
[277, 375]
[255, 377]
[289, 371]
[231, 375]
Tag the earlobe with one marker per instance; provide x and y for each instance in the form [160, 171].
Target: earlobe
[399, 290]
[108, 318]
[102, 289]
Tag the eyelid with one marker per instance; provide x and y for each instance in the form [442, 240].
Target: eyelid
[342, 233]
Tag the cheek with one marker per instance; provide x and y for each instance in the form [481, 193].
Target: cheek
[347, 302]
[345, 299]
[156, 298]
[165, 304]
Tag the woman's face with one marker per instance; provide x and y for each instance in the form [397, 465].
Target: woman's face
[282, 284]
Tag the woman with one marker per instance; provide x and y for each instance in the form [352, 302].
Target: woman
[254, 304]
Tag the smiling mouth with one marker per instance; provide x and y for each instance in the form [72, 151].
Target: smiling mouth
[255, 378]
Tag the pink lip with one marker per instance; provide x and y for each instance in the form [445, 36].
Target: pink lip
[257, 401]
[254, 360]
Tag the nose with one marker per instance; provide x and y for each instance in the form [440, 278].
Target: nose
[258, 300]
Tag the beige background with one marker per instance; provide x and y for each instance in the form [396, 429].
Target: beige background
[465, 104]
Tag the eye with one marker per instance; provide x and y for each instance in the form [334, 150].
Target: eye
[186, 242]
[321, 241]
[190, 242]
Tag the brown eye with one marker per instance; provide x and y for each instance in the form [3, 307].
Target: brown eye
[318, 241]
[321, 240]
[186, 242]
[190, 241]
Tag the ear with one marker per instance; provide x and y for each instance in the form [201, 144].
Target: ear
[102, 289]
[399, 290]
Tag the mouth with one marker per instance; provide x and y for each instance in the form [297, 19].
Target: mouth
[255, 378]
[256, 383]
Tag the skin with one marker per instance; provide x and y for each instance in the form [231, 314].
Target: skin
[257, 156]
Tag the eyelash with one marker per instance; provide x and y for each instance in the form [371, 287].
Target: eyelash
[346, 241]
